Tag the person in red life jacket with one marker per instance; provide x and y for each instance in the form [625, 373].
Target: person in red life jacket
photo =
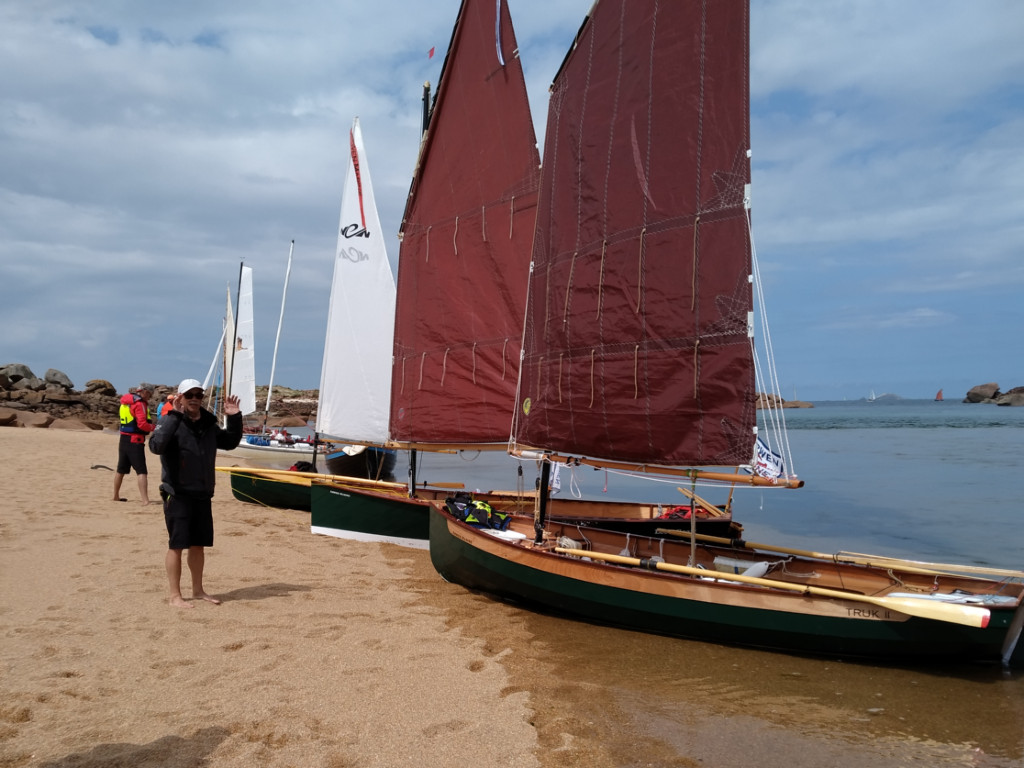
[186, 440]
[136, 423]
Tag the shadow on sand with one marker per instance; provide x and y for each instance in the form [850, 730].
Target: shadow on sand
[165, 752]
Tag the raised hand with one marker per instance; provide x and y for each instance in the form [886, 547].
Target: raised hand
[231, 405]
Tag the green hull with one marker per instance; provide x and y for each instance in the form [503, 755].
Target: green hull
[270, 493]
[579, 589]
[368, 516]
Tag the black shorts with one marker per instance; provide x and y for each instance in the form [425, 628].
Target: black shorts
[131, 456]
[189, 521]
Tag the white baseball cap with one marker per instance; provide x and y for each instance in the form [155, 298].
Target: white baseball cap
[188, 384]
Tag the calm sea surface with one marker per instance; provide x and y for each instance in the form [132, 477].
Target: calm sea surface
[938, 481]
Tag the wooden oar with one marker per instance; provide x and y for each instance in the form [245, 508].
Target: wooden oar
[340, 479]
[876, 561]
[968, 615]
[706, 505]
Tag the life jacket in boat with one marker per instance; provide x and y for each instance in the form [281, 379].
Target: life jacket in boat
[676, 513]
[477, 513]
[129, 426]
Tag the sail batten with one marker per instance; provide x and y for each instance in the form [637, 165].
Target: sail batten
[465, 244]
[636, 345]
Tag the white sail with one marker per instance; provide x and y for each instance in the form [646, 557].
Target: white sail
[243, 368]
[355, 382]
[280, 322]
[228, 356]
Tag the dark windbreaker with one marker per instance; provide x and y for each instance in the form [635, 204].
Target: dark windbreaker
[188, 451]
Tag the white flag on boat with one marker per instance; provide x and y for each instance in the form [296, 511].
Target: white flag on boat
[556, 479]
[766, 462]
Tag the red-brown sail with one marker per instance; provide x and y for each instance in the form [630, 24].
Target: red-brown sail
[466, 240]
[636, 342]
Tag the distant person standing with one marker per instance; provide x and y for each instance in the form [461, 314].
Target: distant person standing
[165, 407]
[136, 423]
[187, 439]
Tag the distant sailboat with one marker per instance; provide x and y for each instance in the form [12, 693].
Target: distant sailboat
[938, 396]
[871, 397]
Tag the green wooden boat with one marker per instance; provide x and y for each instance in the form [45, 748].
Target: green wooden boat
[640, 352]
[884, 613]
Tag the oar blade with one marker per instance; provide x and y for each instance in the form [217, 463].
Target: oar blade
[968, 615]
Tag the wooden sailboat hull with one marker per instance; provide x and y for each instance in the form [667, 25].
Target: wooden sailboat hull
[285, 489]
[369, 515]
[701, 609]
[270, 456]
[255, 488]
[371, 463]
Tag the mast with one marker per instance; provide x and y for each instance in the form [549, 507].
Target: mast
[423, 135]
[426, 108]
[277, 339]
[229, 371]
[227, 348]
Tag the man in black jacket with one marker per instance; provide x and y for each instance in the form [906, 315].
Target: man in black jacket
[187, 439]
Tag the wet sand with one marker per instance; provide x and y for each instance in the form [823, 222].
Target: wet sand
[334, 653]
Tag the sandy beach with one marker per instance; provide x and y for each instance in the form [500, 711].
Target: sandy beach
[336, 654]
[324, 652]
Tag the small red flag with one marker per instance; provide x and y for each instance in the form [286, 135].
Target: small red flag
[431, 54]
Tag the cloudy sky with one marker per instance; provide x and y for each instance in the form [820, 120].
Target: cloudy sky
[146, 149]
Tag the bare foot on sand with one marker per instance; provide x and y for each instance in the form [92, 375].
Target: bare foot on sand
[147, 503]
[207, 598]
[179, 602]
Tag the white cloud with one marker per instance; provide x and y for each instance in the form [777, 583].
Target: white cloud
[144, 159]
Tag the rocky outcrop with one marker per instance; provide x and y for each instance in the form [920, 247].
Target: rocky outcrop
[989, 393]
[771, 400]
[982, 393]
[1014, 397]
[58, 379]
[100, 387]
[52, 401]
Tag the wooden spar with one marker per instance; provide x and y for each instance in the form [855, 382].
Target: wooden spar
[275, 474]
[648, 469]
[910, 566]
[706, 505]
[853, 557]
[968, 615]
[441, 447]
